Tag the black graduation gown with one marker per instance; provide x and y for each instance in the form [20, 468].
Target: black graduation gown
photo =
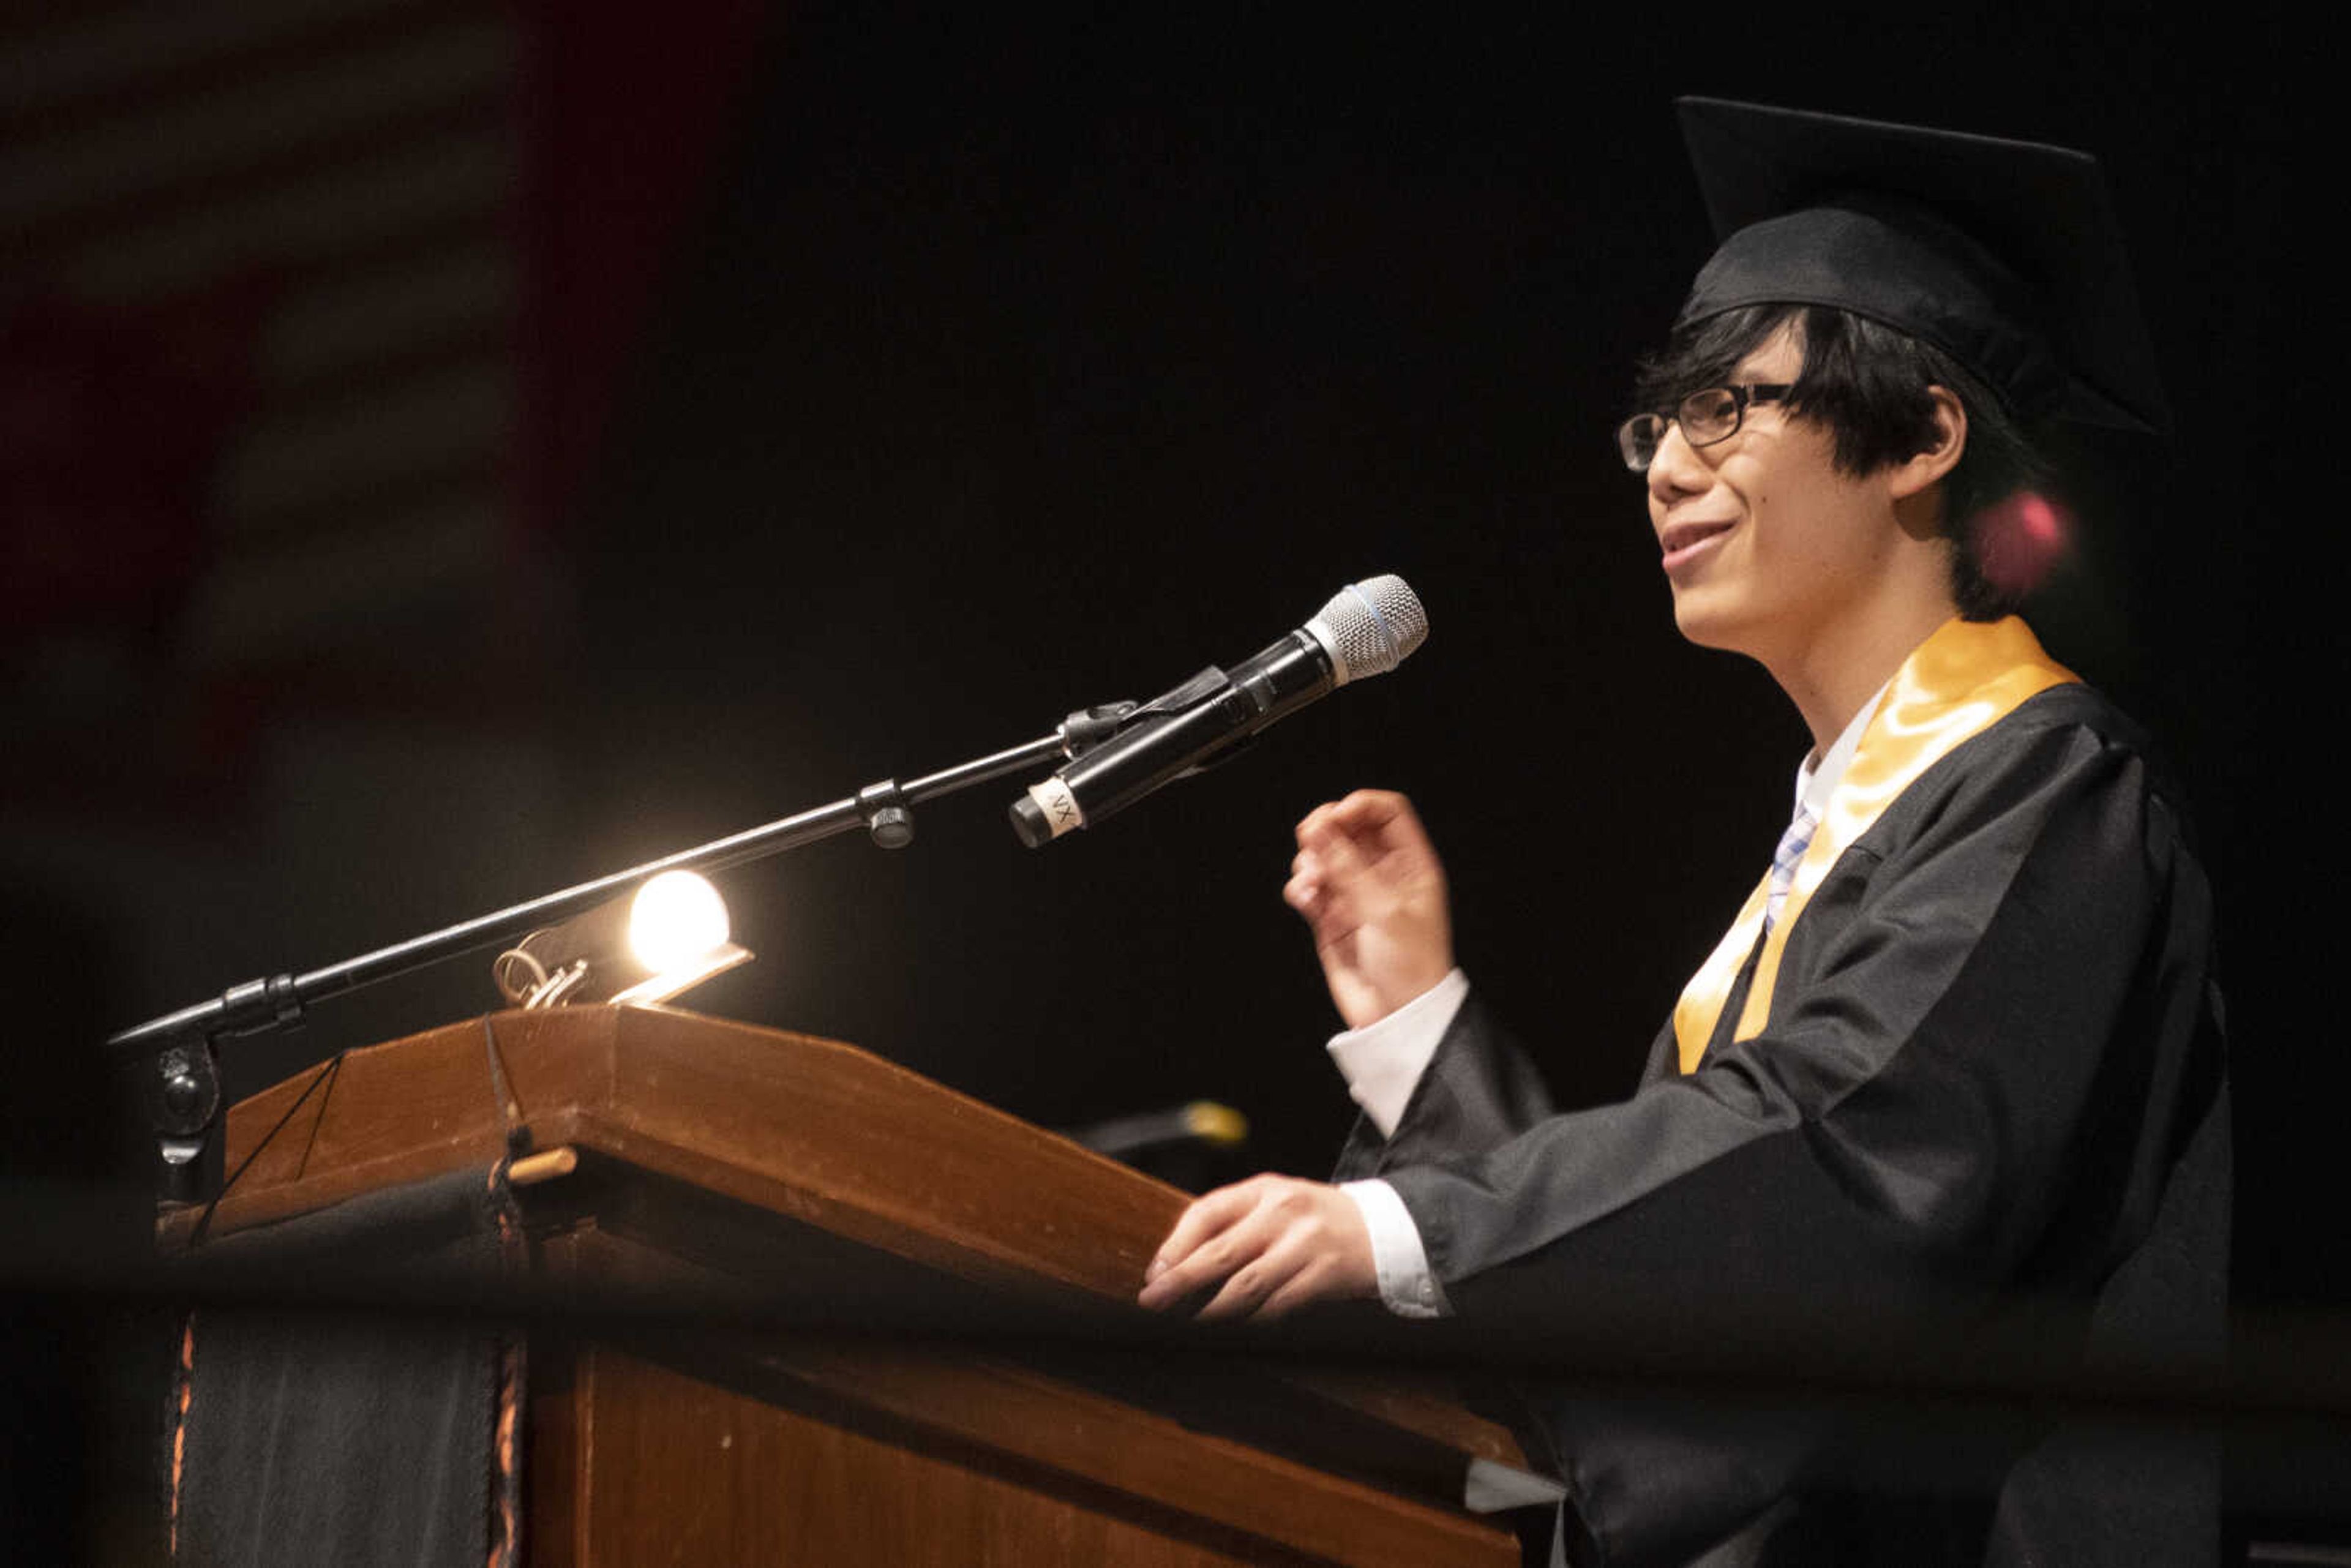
[1993, 1069]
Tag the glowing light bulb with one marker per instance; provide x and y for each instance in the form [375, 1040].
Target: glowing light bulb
[677, 919]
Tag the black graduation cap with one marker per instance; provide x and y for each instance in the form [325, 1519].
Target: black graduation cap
[2005, 255]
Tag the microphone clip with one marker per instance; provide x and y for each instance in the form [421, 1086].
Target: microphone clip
[1089, 728]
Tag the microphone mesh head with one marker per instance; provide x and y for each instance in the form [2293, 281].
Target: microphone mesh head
[1369, 627]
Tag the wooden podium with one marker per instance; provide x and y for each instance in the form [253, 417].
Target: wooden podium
[722, 1163]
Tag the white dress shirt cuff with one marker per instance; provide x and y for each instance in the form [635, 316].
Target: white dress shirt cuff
[1383, 1061]
[1407, 1287]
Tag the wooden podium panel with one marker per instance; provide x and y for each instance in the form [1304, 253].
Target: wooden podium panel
[916, 1460]
[692, 1472]
[750, 1169]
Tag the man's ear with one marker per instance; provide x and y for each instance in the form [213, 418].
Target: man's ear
[1925, 467]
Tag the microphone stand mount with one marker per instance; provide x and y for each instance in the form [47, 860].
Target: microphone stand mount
[178, 1053]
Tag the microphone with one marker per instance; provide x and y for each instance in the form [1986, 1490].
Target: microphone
[1367, 628]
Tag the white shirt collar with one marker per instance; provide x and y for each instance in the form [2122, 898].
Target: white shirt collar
[1816, 783]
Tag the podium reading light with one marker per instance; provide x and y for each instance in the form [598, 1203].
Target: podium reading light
[669, 936]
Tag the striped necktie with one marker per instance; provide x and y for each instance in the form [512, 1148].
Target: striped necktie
[1784, 860]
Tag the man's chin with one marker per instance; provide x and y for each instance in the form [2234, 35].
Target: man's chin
[1702, 619]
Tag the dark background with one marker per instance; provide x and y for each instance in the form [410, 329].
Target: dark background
[1018, 367]
[996, 363]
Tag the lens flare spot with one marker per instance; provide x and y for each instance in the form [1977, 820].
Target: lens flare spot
[2019, 541]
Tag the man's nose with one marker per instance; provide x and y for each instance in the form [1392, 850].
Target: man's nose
[1676, 468]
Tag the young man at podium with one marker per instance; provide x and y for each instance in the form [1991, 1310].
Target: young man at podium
[1961, 1048]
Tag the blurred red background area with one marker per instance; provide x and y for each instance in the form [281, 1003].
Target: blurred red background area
[112, 426]
[313, 322]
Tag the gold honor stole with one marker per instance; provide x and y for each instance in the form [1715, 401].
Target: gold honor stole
[1958, 683]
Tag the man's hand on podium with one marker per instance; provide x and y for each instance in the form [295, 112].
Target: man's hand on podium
[1272, 1243]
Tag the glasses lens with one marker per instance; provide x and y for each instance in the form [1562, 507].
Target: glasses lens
[1710, 415]
[1637, 439]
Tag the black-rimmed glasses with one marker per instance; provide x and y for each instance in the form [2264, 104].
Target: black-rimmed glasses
[1706, 416]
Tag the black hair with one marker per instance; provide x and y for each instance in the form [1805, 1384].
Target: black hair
[1868, 384]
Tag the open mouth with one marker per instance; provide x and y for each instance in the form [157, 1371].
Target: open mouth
[1685, 542]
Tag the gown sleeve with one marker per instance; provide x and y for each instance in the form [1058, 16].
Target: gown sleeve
[1479, 1090]
[1955, 1093]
